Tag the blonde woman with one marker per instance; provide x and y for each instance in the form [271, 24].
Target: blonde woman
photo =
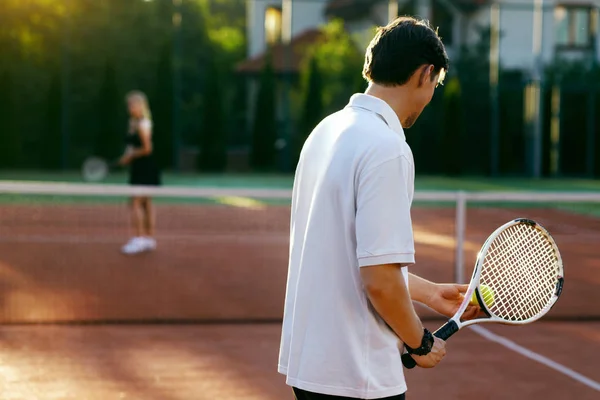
[143, 170]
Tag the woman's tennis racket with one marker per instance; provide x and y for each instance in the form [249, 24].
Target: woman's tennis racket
[518, 277]
[96, 169]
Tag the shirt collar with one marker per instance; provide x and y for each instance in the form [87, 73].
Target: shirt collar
[379, 107]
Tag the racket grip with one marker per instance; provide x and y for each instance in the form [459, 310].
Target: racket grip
[444, 332]
[408, 361]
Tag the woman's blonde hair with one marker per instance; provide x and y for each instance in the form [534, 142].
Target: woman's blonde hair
[140, 97]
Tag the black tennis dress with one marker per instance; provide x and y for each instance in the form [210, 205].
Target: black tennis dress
[142, 170]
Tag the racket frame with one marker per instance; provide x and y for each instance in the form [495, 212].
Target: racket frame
[454, 324]
[98, 162]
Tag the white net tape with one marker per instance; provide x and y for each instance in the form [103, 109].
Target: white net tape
[522, 268]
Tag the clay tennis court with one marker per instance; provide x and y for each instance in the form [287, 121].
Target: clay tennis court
[218, 278]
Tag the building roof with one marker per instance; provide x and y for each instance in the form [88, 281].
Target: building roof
[298, 46]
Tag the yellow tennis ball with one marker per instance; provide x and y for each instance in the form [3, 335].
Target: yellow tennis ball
[486, 293]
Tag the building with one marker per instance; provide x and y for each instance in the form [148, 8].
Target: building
[531, 34]
[568, 28]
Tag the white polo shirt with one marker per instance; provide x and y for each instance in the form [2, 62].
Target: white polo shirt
[351, 203]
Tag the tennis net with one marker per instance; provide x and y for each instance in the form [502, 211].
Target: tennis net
[222, 253]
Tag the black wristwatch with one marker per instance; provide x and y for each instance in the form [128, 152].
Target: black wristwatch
[426, 345]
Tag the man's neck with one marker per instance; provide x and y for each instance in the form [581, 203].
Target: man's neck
[396, 97]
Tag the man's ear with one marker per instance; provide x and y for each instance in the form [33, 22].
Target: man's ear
[426, 75]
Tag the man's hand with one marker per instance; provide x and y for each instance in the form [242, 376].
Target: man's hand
[433, 358]
[447, 298]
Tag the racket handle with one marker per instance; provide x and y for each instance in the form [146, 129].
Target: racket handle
[408, 361]
[444, 332]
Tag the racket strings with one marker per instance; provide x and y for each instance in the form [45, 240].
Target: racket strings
[508, 307]
[533, 299]
[529, 273]
[521, 281]
[530, 296]
[521, 268]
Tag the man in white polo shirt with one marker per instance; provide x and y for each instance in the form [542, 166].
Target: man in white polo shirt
[348, 308]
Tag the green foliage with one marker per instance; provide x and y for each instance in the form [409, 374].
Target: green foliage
[162, 107]
[9, 139]
[264, 129]
[29, 28]
[569, 71]
[472, 68]
[213, 136]
[579, 100]
[331, 72]
[574, 115]
[313, 108]
[473, 62]
[340, 64]
[227, 28]
[51, 150]
[512, 130]
[111, 130]
[452, 128]
[42, 38]
[579, 110]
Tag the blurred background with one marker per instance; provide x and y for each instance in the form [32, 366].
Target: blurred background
[237, 85]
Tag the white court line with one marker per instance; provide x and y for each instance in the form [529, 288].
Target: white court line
[509, 344]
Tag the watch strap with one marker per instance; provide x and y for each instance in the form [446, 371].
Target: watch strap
[425, 347]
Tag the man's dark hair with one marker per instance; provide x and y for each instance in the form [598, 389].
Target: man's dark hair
[400, 48]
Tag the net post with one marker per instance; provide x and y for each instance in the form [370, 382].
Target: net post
[459, 226]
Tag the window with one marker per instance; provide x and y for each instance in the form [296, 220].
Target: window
[574, 26]
[273, 25]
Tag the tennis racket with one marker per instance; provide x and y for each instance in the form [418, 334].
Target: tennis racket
[96, 169]
[518, 277]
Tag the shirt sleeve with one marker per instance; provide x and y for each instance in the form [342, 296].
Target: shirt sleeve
[384, 232]
[145, 124]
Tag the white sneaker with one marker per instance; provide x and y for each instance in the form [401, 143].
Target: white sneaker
[150, 243]
[134, 246]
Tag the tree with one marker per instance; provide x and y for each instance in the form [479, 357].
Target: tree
[213, 137]
[9, 140]
[51, 150]
[109, 140]
[313, 108]
[340, 65]
[452, 128]
[227, 29]
[264, 129]
[163, 108]
[75, 38]
[472, 67]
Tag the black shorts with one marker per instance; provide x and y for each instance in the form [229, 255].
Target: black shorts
[300, 394]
